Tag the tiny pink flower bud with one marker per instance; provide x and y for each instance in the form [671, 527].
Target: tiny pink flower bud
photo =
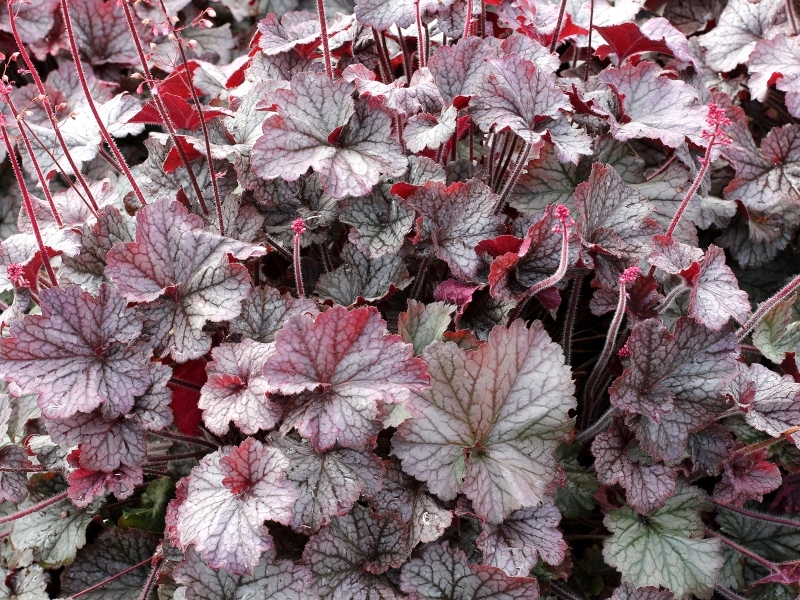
[211, 12]
[299, 226]
[562, 212]
[624, 352]
[629, 275]
[16, 274]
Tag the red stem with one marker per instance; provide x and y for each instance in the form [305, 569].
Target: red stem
[522, 160]
[151, 580]
[423, 60]
[608, 347]
[742, 550]
[298, 272]
[35, 508]
[695, 184]
[550, 281]
[323, 30]
[162, 110]
[757, 515]
[468, 24]
[47, 106]
[26, 198]
[187, 439]
[103, 131]
[569, 322]
[108, 580]
[35, 162]
[766, 306]
[199, 107]
[557, 30]
[157, 460]
[589, 42]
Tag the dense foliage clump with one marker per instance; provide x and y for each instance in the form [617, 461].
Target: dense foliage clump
[455, 299]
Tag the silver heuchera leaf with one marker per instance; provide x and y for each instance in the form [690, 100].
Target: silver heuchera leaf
[667, 548]
[361, 277]
[656, 107]
[379, 221]
[237, 390]
[441, 573]
[172, 254]
[422, 325]
[778, 332]
[766, 176]
[404, 495]
[328, 483]
[612, 216]
[674, 382]
[382, 15]
[776, 59]
[265, 311]
[14, 484]
[347, 557]
[490, 424]
[628, 591]
[318, 126]
[740, 26]
[346, 368]
[459, 70]
[527, 534]
[78, 354]
[230, 494]
[618, 459]
[112, 552]
[715, 295]
[271, 580]
[515, 95]
[29, 583]
[455, 218]
[55, 533]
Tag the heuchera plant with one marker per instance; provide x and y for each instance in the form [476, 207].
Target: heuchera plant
[383, 299]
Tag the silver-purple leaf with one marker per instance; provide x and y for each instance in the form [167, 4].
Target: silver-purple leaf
[79, 354]
[265, 311]
[236, 390]
[328, 483]
[490, 423]
[347, 557]
[379, 221]
[442, 573]
[345, 369]
[520, 540]
[230, 494]
[14, 484]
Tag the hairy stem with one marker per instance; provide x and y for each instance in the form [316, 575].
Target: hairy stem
[101, 584]
[563, 591]
[597, 427]
[727, 593]
[162, 109]
[557, 30]
[420, 43]
[383, 60]
[26, 199]
[695, 184]
[199, 107]
[34, 508]
[48, 107]
[670, 297]
[766, 443]
[545, 283]
[590, 391]
[298, 271]
[323, 34]
[790, 14]
[422, 272]
[90, 101]
[757, 515]
[36, 167]
[742, 550]
[151, 580]
[522, 160]
[468, 23]
[569, 320]
[31, 469]
[766, 306]
[589, 42]
[406, 55]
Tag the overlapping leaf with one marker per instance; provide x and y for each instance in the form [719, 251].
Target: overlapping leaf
[490, 423]
[236, 390]
[174, 257]
[228, 498]
[345, 369]
[78, 354]
[319, 126]
[667, 548]
[674, 382]
[347, 557]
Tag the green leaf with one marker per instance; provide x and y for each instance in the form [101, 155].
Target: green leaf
[770, 540]
[422, 325]
[55, 533]
[576, 499]
[665, 547]
[149, 515]
[778, 332]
